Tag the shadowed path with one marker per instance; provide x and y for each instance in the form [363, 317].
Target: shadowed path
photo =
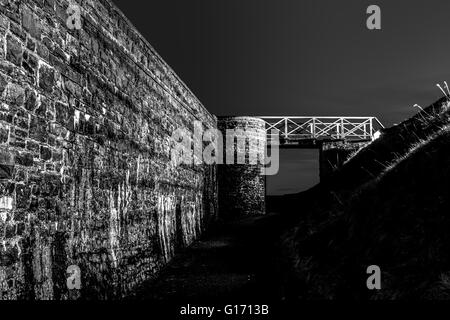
[233, 262]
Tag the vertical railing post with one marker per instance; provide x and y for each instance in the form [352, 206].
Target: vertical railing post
[286, 128]
[365, 130]
[314, 127]
[371, 128]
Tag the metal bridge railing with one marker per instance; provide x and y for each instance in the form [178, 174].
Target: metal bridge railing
[303, 128]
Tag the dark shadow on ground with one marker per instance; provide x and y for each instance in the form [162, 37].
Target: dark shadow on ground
[237, 261]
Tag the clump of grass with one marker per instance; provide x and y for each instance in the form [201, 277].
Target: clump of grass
[446, 92]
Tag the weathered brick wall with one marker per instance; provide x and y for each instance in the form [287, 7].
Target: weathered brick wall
[86, 179]
[242, 188]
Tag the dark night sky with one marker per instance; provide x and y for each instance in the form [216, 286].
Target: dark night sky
[302, 57]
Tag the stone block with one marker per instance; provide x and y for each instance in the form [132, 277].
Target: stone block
[21, 124]
[7, 163]
[30, 63]
[15, 95]
[46, 153]
[62, 113]
[46, 78]
[30, 99]
[8, 258]
[31, 23]
[24, 159]
[23, 193]
[14, 50]
[42, 51]
[38, 129]
[4, 23]
[17, 142]
[32, 146]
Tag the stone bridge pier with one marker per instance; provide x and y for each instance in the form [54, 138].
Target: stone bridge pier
[333, 155]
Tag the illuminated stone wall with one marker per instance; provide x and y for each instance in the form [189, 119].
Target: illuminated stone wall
[86, 178]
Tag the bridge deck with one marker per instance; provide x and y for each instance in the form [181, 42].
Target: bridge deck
[309, 131]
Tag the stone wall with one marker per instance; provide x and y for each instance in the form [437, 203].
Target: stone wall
[242, 188]
[86, 179]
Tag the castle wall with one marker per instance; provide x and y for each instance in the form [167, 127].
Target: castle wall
[86, 178]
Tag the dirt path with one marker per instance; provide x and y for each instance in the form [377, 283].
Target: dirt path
[236, 262]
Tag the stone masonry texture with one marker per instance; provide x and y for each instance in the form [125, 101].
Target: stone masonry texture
[86, 179]
[242, 188]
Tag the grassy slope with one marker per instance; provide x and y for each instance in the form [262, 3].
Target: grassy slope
[390, 210]
[395, 143]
